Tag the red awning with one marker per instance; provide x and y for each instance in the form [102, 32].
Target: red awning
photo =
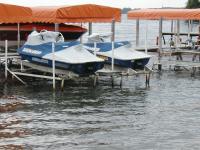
[77, 13]
[39, 27]
[14, 14]
[154, 14]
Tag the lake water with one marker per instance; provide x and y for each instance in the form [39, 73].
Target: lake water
[165, 116]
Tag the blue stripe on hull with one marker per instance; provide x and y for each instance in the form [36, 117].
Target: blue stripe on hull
[81, 69]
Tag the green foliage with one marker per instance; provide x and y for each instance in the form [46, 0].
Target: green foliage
[193, 4]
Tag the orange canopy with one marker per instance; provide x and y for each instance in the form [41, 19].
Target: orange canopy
[14, 14]
[182, 14]
[78, 13]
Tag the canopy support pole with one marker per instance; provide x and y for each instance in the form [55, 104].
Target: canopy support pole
[112, 56]
[178, 35]
[113, 30]
[56, 27]
[90, 28]
[53, 66]
[113, 40]
[146, 34]
[6, 59]
[137, 32]
[189, 30]
[18, 35]
[160, 39]
[172, 27]
[81, 38]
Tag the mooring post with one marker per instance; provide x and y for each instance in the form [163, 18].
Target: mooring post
[112, 55]
[160, 39]
[159, 67]
[121, 81]
[6, 59]
[53, 65]
[18, 35]
[112, 80]
[147, 79]
[89, 28]
[193, 71]
[137, 32]
[62, 84]
[95, 81]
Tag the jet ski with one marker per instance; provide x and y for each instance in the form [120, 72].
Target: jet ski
[67, 55]
[123, 53]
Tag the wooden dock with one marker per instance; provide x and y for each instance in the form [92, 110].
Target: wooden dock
[183, 34]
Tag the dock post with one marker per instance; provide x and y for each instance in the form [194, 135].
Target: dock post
[112, 55]
[160, 39]
[95, 81]
[62, 84]
[90, 28]
[137, 32]
[6, 59]
[18, 35]
[121, 81]
[159, 67]
[53, 65]
[112, 80]
[178, 35]
[193, 72]
[147, 82]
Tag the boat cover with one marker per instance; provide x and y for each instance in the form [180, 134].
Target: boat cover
[40, 45]
[122, 50]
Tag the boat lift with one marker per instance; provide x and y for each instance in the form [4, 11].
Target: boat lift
[174, 15]
[62, 75]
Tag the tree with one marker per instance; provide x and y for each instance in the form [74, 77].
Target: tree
[193, 4]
